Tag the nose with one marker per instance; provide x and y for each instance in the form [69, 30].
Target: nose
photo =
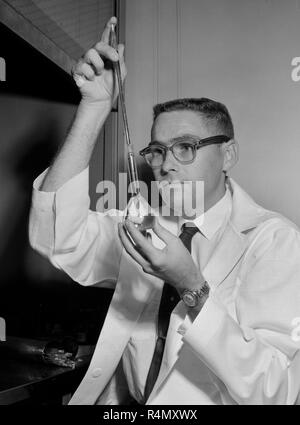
[169, 164]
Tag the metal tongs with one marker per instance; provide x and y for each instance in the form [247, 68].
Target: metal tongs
[133, 175]
[136, 203]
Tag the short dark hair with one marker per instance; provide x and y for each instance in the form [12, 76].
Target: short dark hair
[214, 112]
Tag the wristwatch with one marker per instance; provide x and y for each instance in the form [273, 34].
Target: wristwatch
[192, 297]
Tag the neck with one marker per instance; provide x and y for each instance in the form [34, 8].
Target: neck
[216, 195]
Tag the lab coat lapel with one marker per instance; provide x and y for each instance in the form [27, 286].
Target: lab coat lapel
[246, 215]
[226, 255]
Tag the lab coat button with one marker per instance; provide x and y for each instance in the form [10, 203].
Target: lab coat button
[96, 372]
[181, 330]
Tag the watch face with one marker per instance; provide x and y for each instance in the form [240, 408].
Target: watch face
[189, 299]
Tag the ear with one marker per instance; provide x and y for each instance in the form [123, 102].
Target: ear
[231, 154]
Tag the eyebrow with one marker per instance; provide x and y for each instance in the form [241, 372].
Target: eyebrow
[175, 139]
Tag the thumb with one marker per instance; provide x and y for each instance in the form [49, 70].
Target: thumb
[163, 234]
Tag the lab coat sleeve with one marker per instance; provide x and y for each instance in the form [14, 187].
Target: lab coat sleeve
[257, 356]
[81, 242]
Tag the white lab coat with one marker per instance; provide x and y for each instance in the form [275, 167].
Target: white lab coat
[239, 350]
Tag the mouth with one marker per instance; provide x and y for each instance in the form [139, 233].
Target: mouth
[164, 183]
[170, 185]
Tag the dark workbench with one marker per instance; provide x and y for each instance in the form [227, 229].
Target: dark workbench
[32, 383]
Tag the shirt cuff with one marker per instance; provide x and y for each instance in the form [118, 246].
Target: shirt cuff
[56, 218]
[205, 325]
[70, 193]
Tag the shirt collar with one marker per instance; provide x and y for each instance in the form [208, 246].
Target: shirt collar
[212, 220]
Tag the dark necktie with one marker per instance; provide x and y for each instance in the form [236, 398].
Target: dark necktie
[169, 299]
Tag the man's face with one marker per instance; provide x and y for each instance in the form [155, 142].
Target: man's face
[208, 164]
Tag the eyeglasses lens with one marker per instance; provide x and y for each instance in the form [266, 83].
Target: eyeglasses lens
[183, 151]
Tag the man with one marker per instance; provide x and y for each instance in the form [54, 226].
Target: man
[230, 338]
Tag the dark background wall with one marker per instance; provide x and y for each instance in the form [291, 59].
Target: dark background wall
[37, 103]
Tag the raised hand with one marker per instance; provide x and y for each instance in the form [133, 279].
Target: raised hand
[93, 73]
